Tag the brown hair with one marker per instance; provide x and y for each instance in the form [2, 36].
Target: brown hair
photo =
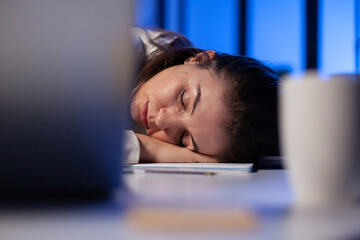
[250, 95]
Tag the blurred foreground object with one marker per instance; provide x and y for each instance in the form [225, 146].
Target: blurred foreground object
[63, 91]
[165, 219]
[320, 124]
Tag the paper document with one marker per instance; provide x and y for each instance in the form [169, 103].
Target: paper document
[194, 167]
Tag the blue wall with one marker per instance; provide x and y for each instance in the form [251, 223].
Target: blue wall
[337, 52]
[275, 29]
[276, 33]
[213, 24]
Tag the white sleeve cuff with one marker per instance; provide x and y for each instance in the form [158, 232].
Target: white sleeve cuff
[131, 148]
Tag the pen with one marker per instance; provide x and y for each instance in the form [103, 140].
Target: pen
[168, 171]
[179, 172]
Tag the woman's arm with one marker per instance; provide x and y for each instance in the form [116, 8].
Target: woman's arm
[154, 150]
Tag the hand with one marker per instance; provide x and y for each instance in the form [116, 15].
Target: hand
[154, 150]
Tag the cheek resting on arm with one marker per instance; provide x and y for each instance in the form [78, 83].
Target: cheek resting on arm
[154, 150]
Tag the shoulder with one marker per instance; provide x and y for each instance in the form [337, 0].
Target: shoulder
[146, 38]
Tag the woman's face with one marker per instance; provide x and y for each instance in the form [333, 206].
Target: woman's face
[183, 105]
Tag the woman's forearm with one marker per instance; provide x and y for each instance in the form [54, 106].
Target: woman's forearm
[154, 150]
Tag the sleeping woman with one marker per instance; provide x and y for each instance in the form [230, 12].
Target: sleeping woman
[198, 105]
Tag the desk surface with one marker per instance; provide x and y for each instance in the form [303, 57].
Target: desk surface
[266, 195]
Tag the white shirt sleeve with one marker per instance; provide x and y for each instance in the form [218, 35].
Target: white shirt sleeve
[143, 36]
[131, 148]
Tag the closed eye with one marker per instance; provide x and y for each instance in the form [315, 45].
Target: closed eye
[181, 98]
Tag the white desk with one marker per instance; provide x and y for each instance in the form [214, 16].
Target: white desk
[265, 193]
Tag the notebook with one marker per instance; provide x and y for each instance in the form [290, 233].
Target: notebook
[192, 167]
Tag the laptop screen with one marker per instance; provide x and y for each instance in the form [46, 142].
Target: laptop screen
[65, 68]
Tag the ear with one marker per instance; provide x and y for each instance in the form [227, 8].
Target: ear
[201, 57]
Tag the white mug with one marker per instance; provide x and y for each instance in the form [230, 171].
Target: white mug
[320, 135]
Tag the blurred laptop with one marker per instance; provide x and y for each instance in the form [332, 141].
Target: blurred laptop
[65, 68]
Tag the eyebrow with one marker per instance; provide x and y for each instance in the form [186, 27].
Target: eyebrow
[197, 98]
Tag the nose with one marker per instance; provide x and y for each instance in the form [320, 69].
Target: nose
[167, 119]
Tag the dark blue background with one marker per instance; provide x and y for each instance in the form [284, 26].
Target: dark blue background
[275, 34]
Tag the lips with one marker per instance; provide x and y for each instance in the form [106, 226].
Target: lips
[143, 115]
